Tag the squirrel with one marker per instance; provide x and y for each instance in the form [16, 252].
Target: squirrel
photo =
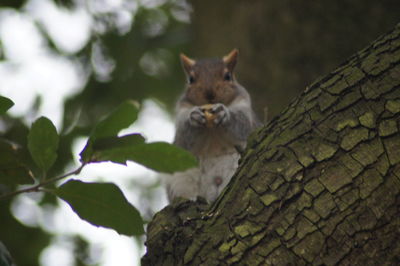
[214, 117]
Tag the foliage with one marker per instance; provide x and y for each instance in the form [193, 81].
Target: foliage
[43, 143]
[12, 170]
[133, 50]
[5, 104]
[101, 204]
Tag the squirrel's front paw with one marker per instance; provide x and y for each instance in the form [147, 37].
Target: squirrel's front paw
[222, 114]
[197, 117]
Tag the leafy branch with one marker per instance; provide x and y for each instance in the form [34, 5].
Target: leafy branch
[41, 184]
[101, 204]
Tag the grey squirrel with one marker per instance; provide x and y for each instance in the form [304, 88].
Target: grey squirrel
[214, 117]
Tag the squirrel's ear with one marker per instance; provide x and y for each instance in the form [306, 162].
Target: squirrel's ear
[187, 63]
[230, 59]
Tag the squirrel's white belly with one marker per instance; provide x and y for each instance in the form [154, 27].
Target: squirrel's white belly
[207, 180]
[216, 173]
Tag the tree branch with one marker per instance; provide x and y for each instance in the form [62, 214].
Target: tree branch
[317, 185]
[37, 187]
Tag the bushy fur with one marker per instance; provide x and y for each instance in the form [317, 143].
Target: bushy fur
[211, 82]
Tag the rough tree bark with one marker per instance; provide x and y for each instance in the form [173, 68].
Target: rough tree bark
[320, 184]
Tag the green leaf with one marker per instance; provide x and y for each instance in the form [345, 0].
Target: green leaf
[120, 118]
[159, 156]
[113, 146]
[102, 204]
[12, 170]
[5, 104]
[118, 142]
[43, 143]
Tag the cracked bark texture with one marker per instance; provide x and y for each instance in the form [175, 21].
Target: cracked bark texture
[320, 184]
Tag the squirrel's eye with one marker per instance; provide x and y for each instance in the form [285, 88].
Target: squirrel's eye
[227, 76]
[191, 79]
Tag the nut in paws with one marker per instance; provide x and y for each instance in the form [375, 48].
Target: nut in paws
[221, 113]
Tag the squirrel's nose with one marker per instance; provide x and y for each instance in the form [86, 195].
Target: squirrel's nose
[209, 95]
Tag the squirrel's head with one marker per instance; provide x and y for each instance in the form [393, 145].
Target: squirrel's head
[210, 80]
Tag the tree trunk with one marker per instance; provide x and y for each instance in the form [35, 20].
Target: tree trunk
[320, 184]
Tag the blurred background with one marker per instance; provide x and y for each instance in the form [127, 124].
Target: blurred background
[74, 61]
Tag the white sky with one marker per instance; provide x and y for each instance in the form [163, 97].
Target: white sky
[32, 69]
